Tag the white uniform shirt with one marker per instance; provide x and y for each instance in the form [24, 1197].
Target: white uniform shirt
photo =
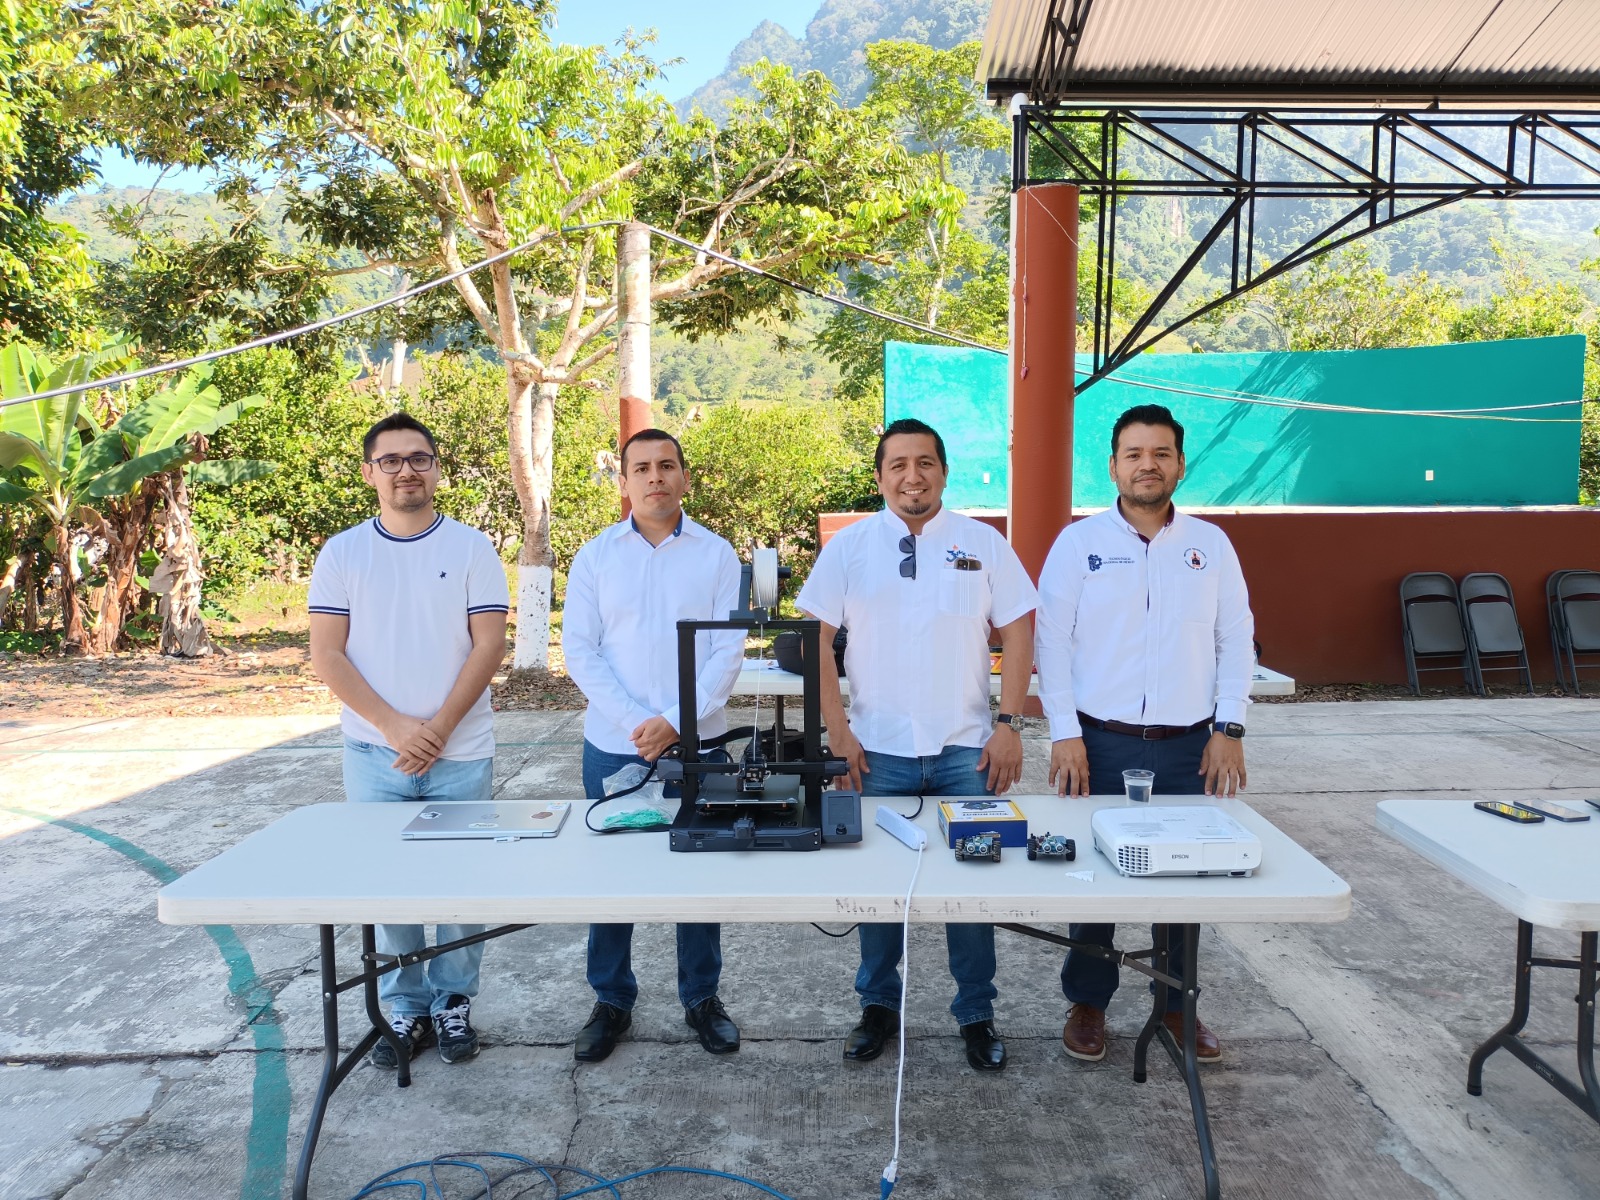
[408, 600]
[1151, 633]
[619, 629]
[918, 652]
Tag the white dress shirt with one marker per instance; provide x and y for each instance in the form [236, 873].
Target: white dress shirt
[619, 629]
[918, 653]
[1152, 632]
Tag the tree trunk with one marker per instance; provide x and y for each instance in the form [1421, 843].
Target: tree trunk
[125, 527]
[177, 580]
[532, 408]
[73, 637]
[30, 595]
[8, 582]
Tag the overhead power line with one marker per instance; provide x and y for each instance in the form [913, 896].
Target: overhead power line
[1493, 413]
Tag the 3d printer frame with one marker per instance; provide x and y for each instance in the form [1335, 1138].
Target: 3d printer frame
[726, 805]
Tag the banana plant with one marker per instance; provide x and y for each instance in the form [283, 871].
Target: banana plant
[109, 479]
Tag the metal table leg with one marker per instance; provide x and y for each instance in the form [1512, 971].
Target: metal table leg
[1587, 1098]
[1183, 1054]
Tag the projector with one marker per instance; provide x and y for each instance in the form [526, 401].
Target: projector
[1191, 840]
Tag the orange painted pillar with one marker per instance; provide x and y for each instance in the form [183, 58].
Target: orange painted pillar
[1044, 314]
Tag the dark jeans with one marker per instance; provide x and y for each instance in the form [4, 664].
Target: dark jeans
[1086, 979]
[969, 947]
[610, 968]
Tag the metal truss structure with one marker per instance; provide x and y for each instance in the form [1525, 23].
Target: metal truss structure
[1353, 172]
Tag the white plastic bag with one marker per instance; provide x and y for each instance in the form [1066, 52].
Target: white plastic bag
[641, 809]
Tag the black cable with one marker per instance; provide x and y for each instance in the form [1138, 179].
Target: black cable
[846, 933]
[627, 791]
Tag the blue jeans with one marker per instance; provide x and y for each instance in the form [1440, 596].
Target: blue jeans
[1086, 979]
[610, 969]
[421, 988]
[951, 772]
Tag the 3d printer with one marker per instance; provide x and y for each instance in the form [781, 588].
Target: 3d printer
[760, 801]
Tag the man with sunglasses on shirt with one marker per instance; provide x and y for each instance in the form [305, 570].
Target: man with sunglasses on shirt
[408, 625]
[919, 587]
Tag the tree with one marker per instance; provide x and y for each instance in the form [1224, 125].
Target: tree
[429, 136]
[78, 475]
[1344, 301]
[44, 151]
[941, 272]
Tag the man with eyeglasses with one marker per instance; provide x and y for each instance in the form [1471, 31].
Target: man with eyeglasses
[919, 587]
[408, 625]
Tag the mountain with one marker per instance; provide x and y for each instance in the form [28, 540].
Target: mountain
[835, 43]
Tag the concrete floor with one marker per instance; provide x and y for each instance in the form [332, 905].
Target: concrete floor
[143, 1060]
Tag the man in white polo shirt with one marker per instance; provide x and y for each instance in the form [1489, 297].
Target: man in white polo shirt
[627, 590]
[1145, 643]
[408, 624]
[918, 587]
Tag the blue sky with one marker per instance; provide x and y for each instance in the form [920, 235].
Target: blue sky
[701, 32]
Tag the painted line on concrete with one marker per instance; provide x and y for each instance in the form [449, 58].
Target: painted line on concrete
[267, 1144]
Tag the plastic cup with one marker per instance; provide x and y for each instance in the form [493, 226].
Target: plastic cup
[1137, 784]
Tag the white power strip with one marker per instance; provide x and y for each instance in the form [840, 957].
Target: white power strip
[896, 823]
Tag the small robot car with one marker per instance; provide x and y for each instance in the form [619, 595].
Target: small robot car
[979, 845]
[1051, 845]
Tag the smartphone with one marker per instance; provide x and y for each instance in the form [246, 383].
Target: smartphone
[1556, 812]
[1510, 812]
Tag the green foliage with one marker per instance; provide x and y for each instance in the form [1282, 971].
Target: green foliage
[1344, 301]
[760, 476]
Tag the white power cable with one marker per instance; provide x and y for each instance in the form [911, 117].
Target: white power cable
[893, 1169]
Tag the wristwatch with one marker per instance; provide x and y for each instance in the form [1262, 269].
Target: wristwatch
[1010, 719]
[1232, 729]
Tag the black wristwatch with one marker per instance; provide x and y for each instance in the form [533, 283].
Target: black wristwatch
[1232, 729]
[1010, 719]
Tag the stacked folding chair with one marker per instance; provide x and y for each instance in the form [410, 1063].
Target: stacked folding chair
[1489, 613]
[1574, 602]
[1430, 620]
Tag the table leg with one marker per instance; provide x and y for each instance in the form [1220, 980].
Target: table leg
[1158, 1005]
[1519, 1011]
[1588, 987]
[1189, 1063]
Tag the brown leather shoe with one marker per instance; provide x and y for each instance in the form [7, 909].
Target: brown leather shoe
[1084, 1034]
[1206, 1047]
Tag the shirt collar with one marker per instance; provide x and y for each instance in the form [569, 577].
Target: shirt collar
[899, 528]
[1172, 519]
[684, 525]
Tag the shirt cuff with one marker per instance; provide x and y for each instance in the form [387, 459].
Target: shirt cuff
[1230, 712]
[1065, 726]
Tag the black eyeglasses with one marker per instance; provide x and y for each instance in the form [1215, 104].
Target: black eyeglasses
[389, 464]
[908, 564]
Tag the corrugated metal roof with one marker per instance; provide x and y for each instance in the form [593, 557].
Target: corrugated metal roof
[1350, 52]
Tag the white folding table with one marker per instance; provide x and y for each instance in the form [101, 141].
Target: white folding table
[339, 864]
[1546, 874]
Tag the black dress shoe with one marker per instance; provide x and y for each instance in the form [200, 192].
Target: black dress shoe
[598, 1038]
[718, 1033]
[878, 1025]
[985, 1050]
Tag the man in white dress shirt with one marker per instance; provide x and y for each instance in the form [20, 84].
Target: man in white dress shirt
[918, 587]
[626, 592]
[1145, 647]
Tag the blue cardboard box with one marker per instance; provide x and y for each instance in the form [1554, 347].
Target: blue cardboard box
[963, 818]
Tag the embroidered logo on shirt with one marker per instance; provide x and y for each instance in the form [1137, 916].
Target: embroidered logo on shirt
[441, 574]
[1195, 559]
[1094, 562]
[954, 553]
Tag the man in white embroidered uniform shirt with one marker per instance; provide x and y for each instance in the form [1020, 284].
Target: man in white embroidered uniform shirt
[918, 588]
[627, 590]
[1145, 644]
[408, 624]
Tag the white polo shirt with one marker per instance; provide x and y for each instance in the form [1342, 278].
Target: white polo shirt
[918, 653]
[408, 600]
[619, 629]
[1151, 633]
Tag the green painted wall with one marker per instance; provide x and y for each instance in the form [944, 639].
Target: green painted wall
[1255, 454]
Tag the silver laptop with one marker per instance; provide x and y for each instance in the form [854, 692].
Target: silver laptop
[510, 820]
